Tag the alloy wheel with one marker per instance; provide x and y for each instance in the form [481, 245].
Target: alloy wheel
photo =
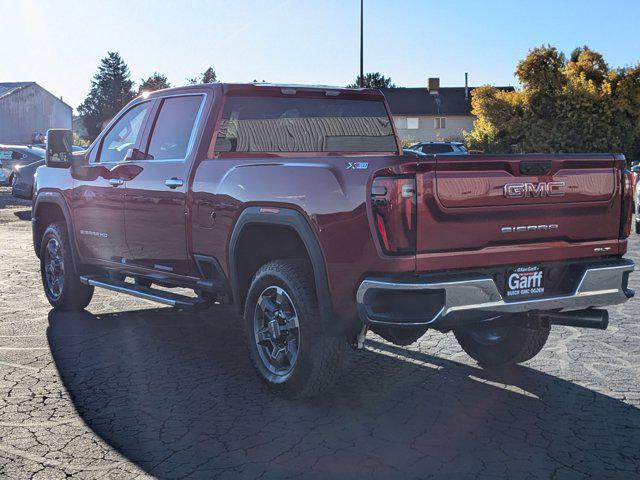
[54, 268]
[276, 331]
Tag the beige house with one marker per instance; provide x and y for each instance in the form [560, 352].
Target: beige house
[432, 113]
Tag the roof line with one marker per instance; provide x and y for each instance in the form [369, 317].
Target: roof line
[22, 85]
[30, 84]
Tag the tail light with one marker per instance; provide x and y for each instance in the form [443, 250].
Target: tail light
[626, 213]
[393, 201]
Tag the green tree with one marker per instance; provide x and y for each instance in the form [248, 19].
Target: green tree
[111, 89]
[157, 81]
[587, 63]
[373, 80]
[579, 105]
[542, 70]
[208, 76]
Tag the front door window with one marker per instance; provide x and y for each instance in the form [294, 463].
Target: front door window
[123, 135]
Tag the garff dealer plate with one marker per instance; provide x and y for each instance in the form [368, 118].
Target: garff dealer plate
[525, 282]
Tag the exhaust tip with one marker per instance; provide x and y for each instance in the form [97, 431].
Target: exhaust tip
[590, 318]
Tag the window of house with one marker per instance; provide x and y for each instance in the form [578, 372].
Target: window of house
[440, 123]
[123, 135]
[284, 124]
[413, 123]
[173, 127]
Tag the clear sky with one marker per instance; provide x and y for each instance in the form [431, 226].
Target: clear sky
[59, 43]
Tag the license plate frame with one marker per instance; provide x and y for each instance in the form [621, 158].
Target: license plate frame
[525, 281]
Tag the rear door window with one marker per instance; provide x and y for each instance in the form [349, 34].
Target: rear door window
[173, 129]
[276, 124]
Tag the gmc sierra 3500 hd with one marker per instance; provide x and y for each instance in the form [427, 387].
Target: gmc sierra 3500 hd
[297, 205]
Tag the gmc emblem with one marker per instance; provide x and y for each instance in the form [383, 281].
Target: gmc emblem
[526, 190]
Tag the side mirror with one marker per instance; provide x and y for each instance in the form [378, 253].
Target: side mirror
[59, 152]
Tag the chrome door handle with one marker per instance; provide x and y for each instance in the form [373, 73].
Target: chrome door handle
[174, 182]
[116, 182]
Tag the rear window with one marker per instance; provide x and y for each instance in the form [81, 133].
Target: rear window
[277, 124]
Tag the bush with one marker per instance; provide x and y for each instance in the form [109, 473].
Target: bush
[578, 105]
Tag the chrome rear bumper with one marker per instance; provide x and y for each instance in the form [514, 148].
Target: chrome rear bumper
[599, 286]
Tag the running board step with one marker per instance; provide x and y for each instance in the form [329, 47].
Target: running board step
[148, 293]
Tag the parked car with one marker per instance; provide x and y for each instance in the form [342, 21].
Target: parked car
[297, 206]
[14, 155]
[75, 148]
[413, 153]
[440, 148]
[23, 179]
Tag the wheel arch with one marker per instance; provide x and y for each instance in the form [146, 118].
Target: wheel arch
[49, 207]
[287, 218]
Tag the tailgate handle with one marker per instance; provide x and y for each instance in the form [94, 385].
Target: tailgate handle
[528, 167]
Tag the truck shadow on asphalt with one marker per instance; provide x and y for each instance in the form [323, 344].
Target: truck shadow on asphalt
[174, 393]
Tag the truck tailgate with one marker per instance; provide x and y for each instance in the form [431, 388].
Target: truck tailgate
[471, 203]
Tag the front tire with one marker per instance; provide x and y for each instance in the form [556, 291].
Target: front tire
[60, 280]
[498, 346]
[289, 344]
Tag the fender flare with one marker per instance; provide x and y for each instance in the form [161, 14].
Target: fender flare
[56, 198]
[296, 221]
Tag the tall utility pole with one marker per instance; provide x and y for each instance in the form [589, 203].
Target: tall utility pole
[361, 43]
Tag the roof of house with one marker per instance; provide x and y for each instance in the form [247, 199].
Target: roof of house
[418, 101]
[9, 88]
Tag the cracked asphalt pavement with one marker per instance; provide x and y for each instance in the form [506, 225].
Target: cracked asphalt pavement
[129, 390]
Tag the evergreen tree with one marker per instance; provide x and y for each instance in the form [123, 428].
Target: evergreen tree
[373, 80]
[111, 89]
[208, 76]
[157, 81]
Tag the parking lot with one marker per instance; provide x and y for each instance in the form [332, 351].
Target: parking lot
[128, 389]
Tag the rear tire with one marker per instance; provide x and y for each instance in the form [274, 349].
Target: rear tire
[60, 279]
[289, 343]
[499, 346]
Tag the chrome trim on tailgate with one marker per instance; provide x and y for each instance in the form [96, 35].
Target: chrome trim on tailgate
[598, 287]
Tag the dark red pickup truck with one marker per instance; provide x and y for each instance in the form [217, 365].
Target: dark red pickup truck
[297, 205]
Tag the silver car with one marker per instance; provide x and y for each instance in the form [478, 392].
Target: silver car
[16, 155]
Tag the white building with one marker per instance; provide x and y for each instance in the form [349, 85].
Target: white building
[26, 109]
[432, 113]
